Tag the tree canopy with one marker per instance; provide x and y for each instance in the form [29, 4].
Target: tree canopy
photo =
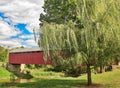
[58, 11]
[97, 36]
[3, 54]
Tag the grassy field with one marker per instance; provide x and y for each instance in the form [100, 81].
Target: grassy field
[56, 80]
[4, 73]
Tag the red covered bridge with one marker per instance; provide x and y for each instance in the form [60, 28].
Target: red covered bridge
[27, 56]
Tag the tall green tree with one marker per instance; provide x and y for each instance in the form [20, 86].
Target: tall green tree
[58, 11]
[3, 54]
[96, 40]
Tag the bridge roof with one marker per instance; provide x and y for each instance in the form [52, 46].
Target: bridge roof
[24, 50]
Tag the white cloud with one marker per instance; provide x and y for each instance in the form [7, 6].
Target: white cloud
[29, 43]
[19, 11]
[7, 30]
[30, 40]
[10, 42]
[23, 11]
[31, 36]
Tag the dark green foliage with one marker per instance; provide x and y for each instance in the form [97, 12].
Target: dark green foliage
[58, 11]
[3, 54]
[76, 71]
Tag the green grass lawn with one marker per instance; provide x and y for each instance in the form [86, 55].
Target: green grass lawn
[56, 80]
[45, 74]
[111, 79]
[4, 73]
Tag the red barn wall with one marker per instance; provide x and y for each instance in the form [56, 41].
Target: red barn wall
[27, 58]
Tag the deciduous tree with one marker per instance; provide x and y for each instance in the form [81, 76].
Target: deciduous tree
[96, 38]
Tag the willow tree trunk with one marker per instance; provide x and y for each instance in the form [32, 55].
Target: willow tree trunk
[102, 69]
[89, 78]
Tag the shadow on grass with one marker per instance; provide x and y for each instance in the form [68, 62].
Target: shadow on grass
[47, 83]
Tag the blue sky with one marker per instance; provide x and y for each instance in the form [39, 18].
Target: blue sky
[18, 18]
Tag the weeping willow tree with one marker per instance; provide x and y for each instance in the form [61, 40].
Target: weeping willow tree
[95, 41]
[56, 40]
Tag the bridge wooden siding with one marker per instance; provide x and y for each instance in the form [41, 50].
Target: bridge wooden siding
[27, 56]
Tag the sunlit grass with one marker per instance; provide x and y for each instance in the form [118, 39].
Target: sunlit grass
[55, 80]
[108, 78]
[45, 74]
[4, 73]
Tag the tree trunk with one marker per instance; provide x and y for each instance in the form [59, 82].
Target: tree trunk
[89, 75]
[102, 69]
